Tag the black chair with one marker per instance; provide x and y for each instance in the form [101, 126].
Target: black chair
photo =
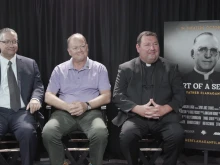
[150, 149]
[9, 146]
[76, 144]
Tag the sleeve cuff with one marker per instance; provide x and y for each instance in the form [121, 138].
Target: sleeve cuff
[36, 99]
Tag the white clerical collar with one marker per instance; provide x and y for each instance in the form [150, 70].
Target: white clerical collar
[148, 65]
[206, 75]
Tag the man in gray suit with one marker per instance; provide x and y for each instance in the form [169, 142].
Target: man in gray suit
[21, 94]
[149, 92]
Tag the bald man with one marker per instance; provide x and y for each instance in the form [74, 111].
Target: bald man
[82, 86]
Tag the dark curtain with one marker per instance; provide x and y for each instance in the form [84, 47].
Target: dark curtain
[110, 27]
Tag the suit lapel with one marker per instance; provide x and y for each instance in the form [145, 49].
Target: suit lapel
[157, 77]
[138, 77]
[19, 64]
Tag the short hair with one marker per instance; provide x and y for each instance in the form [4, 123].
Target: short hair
[145, 33]
[5, 30]
[204, 33]
[76, 35]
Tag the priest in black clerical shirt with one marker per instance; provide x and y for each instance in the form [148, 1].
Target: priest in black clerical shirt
[149, 92]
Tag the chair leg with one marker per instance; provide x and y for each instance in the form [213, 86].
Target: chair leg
[143, 159]
[2, 160]
[82, 158]
[155, 155]
[13, 159]
[153, 158]
[69, 156]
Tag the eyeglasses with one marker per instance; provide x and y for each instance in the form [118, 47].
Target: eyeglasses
[204, 50]
[82, 47]
[7, 42]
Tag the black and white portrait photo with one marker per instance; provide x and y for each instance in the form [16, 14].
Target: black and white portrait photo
[195, 46]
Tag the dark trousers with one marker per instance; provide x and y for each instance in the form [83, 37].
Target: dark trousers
[169, 130]
[61, 123]
[23, 125]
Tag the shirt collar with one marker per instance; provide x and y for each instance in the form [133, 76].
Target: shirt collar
[86, 66]
[148, 65]
[206, 75]
[5, 60]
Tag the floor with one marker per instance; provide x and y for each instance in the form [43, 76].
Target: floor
[195, 158]
[188, 157]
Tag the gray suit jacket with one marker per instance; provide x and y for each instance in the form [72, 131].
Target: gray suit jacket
[29, 80]
[167, 87]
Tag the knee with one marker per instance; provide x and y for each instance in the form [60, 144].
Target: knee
[177, 136]
[127, 138]
[48, 133]
[27, 133]
[100, 134]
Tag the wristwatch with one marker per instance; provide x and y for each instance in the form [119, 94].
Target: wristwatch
[88, 106]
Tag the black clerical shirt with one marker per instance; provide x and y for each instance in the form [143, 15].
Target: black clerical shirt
[147, 81]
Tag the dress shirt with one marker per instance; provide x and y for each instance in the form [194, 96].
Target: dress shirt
[4, 90]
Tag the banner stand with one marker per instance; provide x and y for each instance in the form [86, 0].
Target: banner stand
[205, 157]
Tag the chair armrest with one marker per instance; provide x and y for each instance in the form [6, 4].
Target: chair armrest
[39, 117]
[49, 110]
[103, 110]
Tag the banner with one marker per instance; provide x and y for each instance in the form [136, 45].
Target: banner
[194, 46]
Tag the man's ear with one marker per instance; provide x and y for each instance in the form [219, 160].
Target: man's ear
[192, 53]
[68, 51]
[137, 47]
